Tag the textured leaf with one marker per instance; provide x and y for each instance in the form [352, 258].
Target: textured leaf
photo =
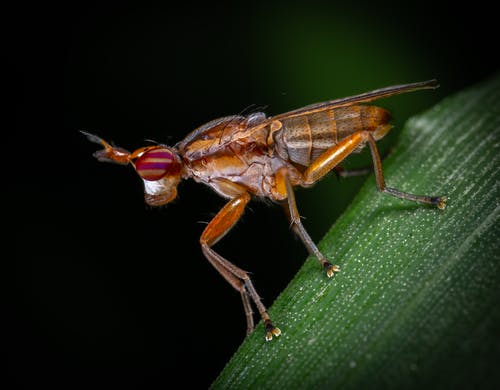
[417, 301]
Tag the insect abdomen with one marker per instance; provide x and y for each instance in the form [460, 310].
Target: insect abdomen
[306, 137]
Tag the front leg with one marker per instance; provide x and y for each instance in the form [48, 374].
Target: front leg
[225, 219]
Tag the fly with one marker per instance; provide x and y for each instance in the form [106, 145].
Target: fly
[241, 156]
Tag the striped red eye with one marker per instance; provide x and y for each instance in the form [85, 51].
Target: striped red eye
[154, 164]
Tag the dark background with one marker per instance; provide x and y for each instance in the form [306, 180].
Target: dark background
[105, 291]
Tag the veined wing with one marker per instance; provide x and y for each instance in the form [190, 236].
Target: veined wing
[351, 100]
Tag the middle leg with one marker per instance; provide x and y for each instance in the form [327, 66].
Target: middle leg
[290, 208]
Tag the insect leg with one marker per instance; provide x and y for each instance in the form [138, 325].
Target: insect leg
[238, 278]
[238, 285]
[438, 201]
[293, 215]
[329, 159]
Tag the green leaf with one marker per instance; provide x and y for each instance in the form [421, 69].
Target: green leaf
[417, 300]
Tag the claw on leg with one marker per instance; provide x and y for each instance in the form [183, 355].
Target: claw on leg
[440, 202]
[271, 331]
[330, 269]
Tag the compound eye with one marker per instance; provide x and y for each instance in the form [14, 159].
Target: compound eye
[155, 163]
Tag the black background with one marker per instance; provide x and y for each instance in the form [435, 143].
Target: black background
[105, 291]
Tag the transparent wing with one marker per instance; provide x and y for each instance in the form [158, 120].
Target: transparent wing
[348, 101]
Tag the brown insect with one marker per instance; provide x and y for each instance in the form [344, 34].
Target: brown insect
[240, 156]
